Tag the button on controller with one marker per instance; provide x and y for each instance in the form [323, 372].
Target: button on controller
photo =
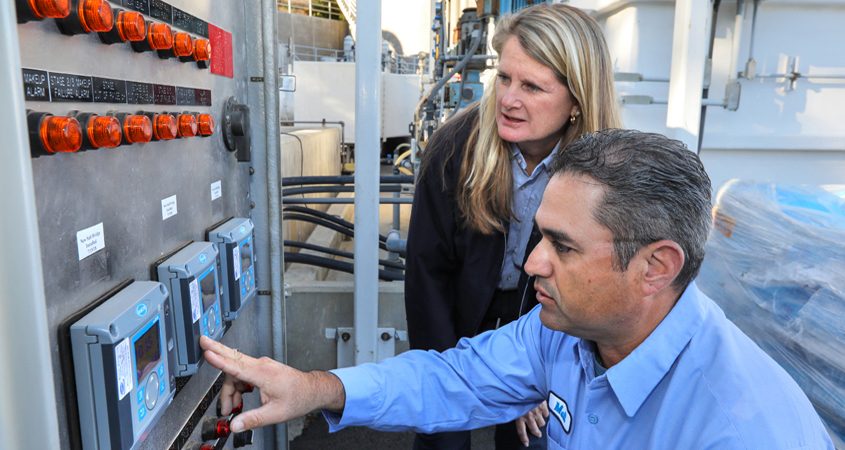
[151, 396]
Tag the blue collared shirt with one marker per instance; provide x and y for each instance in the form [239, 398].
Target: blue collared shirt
[527, 194]
[696, 382]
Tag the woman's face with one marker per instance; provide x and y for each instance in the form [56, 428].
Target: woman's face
[532, 105]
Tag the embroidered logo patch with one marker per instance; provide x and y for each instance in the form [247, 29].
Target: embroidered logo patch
[560, 410]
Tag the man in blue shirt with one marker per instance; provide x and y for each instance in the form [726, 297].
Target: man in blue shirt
[624, 348]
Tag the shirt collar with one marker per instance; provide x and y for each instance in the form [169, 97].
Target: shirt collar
[633, 378]
[516, 155]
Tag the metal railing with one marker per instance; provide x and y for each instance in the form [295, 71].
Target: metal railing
[326, 9]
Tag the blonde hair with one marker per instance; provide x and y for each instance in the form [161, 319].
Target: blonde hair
[569, 42]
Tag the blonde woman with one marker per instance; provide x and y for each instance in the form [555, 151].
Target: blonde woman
[482, 179]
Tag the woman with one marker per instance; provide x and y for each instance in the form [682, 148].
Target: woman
[482, 178]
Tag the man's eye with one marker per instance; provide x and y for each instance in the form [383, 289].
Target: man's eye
[561, 248]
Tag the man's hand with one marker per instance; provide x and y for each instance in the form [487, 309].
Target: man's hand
[534, 420]
[286, 393]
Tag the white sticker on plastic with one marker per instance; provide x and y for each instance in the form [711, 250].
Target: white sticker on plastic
[194, 288]
[168, 207]
[236, 260]
[216, 190]
[123, 364]
[90, 241]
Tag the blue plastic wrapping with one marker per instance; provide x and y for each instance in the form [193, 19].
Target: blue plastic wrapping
[775, 263]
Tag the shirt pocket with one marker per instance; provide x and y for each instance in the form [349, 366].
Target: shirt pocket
[556, 437]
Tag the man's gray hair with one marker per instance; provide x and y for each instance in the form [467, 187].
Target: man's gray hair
[655, 189]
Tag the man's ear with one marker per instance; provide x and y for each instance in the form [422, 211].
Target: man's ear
[662, 261]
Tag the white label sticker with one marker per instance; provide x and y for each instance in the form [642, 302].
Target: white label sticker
[90, 240]
[123, 364]
[194, 288]
[236, 259]
[168, 207]
[216, 190]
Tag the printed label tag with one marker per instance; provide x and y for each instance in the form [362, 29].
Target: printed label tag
[560, 410]
[216, 190]
[168, 207]
[194, 288]
[90, 241]
[236, 260]
[123, 363]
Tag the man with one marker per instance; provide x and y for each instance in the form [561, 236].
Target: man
[625, 349]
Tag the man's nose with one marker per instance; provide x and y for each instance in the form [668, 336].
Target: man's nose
[537, 264]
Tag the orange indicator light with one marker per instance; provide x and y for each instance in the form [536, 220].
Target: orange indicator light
[205, 124]
[187, 125]
[183, 45]
[159, 36]
[60, 134]
[137, 129]
[95, 15]
[131, 26]
[202, 50]
[53, 9]
[165, 127]
[103, 131]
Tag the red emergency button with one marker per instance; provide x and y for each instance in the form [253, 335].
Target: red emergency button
[160, 36]
[183, 44]
[205, 124]
[164, 127]
[95, 15]
[137, 129]
[187, 125]
[131, 26]
[202, 50]
[60, 134]
[103, 131]
[53, 9]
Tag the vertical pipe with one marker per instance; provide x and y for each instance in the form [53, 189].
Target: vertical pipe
[271, 129]
[28, 416]
[368, 144]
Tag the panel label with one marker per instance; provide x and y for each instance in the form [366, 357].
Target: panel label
[142, 6]
[221, 51]
[107, 90]
[193, 97]
[164, 95]
[168, 207]
[123, 364]
[189, 23]
[236, 259]
[194, 289]
[161, 10]
[90, 241]
[35, 85]
[216, 190]
[65, 87]
[139, 93]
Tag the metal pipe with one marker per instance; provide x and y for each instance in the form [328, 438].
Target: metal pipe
[28, 417]
[344, 201]
[273, 158]
[323, 123]
[368, 138]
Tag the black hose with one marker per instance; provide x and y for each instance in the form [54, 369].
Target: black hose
[320, 214]
[330, 225]
[343, 179]
[324, 189]
[340, 253]
[319, 261]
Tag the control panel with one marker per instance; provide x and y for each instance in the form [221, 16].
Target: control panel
[235, 243]
[192, 277]
[122, 366]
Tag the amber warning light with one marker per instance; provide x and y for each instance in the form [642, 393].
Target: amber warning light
[129, 26]
[42, 9]
[137, 129]
[164, 127]
[51, 134]
[187, 125]
[205, 124]
[88, 16]
[103, 131]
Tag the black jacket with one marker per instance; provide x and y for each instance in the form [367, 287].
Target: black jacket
[451, 271]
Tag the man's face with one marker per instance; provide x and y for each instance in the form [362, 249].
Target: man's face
[579, 290]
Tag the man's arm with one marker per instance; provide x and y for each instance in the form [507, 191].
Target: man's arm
[286, 393]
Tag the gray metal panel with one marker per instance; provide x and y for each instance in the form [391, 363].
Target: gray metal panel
[238, 285]
[122, 188]
[25, 368]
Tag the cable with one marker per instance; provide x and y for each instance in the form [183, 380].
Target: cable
[342, 179]
[340, 253]
[324, 189]
[314, 260]
[320, 214]
[330, 225]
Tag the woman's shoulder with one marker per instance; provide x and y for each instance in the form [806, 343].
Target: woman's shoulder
[450, 138]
